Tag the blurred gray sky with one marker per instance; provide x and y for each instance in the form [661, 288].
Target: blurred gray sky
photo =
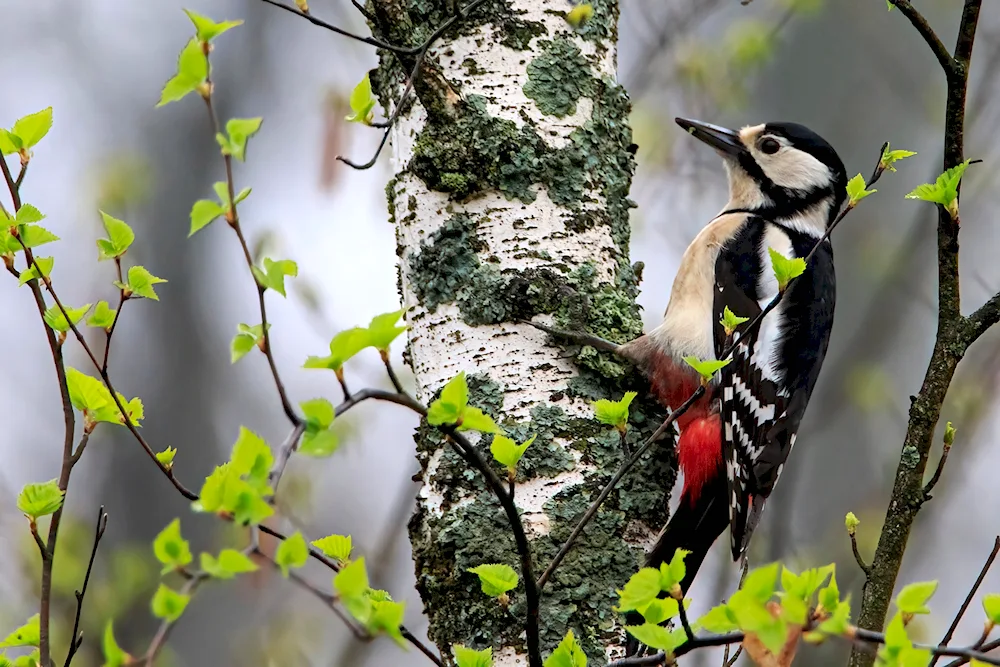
[855, 73]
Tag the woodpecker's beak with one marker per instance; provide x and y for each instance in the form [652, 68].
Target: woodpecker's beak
[725, 141]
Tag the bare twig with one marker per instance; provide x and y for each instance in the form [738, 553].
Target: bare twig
[932, 482]
[857, 555]
[340, 31]
[968, 600]
[76, 638]
[392, 373]
[923, 27]
[118, 313]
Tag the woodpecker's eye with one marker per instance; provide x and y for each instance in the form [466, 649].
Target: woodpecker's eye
[770, 146]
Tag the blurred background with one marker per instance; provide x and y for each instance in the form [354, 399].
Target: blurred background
[849, 69]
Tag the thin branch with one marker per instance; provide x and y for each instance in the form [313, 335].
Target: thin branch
[610, 486]
[340, 31]
[865, 567]
[937, 472]
[41, 543]
[118, 313]
[968, 599]
[927, 32]
[364, 12]
[980, 321]
[392, 373]
[13, 186]
[84, 439]
[392, 118]
[985, 648]
[682, 612]
[870, 637]
[76, 638]
[289, 446]
[233, 218]
[163, 633]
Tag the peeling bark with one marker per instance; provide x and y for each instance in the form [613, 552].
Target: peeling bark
[509, 196]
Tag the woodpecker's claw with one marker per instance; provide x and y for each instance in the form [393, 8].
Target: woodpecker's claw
[578, 337]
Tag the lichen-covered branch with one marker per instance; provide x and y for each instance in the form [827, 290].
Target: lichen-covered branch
[951, 342]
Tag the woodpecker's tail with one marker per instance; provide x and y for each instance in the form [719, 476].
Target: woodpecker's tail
[694, 527]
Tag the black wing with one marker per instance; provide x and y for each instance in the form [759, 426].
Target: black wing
[765, 388]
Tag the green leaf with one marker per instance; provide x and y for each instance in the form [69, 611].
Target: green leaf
[204, 212]
[949, 435]
[718, 620]
[141, 281]
[506, 452]
[88, 394]
[851, 522]
[26, 635]
[251, 456]
[706, 369]
[32, 128]
[54, 317]
[273, 274]
[991, 605]
[660, 609]
[474, 419]
[114, 656]
[856, 190]
[40, 499]
[166, 457]
[172, 550]
[913, 598]
[467, 657]
[785, 270]
[829, 597]
[352, 580]
[614, 413]
[362, 102]
[387, 616]
[319, 411]
[383, 330]
[450, 405]
[292, 552]
[320, 443]
[641, 589]
[344, 345]
[206, 28]
[337, 547]
[240, 130]
[168, 604]
[672, 574]
[120, 238]
[730, 321]
[247, 338]
[43, 263]
[28, 214]
[102, 317]
[890, 157]
[567, 654]
[760, 582]
[192, 70]
[30, 236]
[241, 195]
[229, 564]
[495, 578]
[9, 142]
[580, 14]
[944, 190]
[657, 636]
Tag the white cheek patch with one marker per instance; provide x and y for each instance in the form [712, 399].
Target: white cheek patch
[794, 169]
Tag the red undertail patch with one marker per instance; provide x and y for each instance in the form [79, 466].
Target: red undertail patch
[699, 453]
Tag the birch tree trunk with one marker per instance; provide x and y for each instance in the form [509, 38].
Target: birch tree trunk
[512, 171]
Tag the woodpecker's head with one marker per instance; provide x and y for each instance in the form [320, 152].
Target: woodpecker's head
[784, 171]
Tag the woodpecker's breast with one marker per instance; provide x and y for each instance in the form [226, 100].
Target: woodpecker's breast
[688, 323]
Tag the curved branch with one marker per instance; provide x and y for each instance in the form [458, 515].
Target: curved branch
[927, 32]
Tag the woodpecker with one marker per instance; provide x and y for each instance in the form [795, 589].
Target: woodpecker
[786, 185]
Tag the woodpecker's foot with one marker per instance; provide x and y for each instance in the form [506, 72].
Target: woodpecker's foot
[578, 337]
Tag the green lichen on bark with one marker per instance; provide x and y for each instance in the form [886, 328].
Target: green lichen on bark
[558, 77]
[446, 263]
